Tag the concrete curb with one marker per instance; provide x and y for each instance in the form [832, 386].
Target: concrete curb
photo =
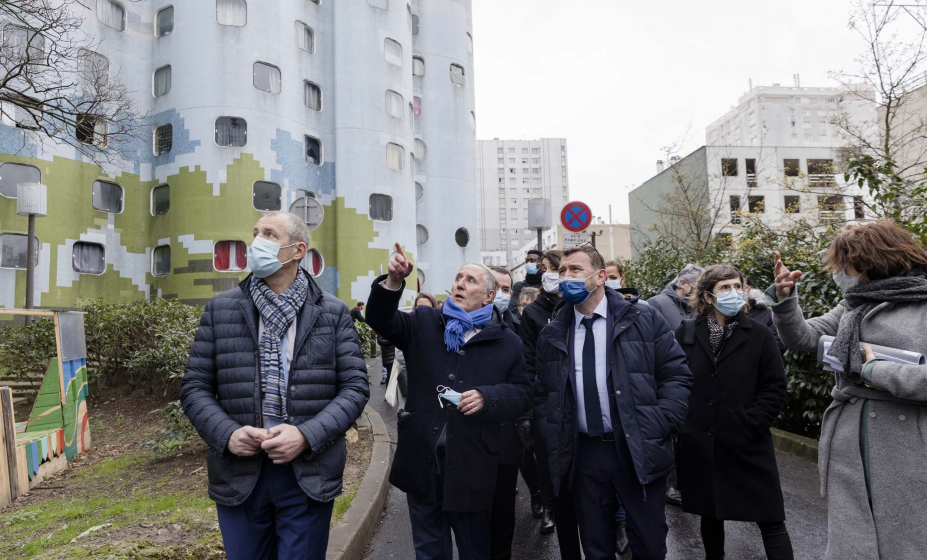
[349, 540]
[797, 445]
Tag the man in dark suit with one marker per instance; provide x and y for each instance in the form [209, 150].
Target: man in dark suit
[611, 389]
[466, 377]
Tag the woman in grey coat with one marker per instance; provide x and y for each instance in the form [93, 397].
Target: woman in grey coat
[873, 450]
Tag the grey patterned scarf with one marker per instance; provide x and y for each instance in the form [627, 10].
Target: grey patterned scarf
[719, 333]
[862, 299]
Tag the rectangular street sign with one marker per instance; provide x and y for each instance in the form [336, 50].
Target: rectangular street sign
[574, 239]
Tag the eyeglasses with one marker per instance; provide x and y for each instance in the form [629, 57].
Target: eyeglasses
[727, 289]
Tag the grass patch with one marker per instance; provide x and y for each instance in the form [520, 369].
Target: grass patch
[343, 502]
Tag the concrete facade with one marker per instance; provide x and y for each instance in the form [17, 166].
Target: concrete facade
[370, 105]
[510, 173]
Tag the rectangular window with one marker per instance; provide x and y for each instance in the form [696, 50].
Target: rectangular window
[312, 94]
[831, 208]
[111, 14]
[230, 256]
[394, 104]
[160, 200]
[305, 37]
[12, 174]
[535, 150]
[163, 139]
[807, 138]
[792, 204]
[535, 160]
[418, 66]
[511, 150]
[791, 167]
[381, 207]
[751, 166]
[107, 197]
[735, 209]
[165, 22]
[511, 160]
[756, 204]
[820, 167]
[501, 160]
[514, 201]
[161, 85]
[859, 208]
[22, 45]
[13, 249]
[91, 130]
[524, 169]
[161, 260]
[524, 150]
[231, 132]
[393, 52]
[232, 12]
[266, 77]
[314, 150]
[395, 157]
[457, 75]
[265, 196]
[500, 151]
[535, 169]
[729, 167]
[93, 68]
[512, 180]
[88, 258]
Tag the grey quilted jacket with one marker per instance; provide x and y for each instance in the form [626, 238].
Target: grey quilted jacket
[327, 392]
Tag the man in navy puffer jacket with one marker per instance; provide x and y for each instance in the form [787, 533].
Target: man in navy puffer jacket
[274, 380]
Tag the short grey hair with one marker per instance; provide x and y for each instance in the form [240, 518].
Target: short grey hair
[296, 229]
[489, 279]
[689, 273]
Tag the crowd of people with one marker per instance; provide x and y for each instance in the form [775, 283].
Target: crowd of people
[609, 406]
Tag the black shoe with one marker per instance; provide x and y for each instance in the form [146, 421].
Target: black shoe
[621, 538]
[547, 522]
[673, 497]
[382, 381]
[537, 510]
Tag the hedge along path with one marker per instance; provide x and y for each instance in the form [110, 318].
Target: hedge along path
[58, 428]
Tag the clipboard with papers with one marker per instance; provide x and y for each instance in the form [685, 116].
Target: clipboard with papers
[887, 353]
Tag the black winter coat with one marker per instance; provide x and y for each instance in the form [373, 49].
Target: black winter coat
[491, 362]
[647, 372]
[511, 450]
[534, 318]
[727, 464]
[328, 389]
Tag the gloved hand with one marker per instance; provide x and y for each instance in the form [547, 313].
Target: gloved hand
[523, 426]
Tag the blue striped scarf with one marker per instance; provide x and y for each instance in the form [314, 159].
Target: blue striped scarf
[278, 312]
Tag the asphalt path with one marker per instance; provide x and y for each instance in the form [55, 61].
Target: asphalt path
[806, 514]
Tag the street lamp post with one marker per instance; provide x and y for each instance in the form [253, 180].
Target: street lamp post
[31, 201]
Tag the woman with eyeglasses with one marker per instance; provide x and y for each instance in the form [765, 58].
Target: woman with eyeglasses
[727, 465]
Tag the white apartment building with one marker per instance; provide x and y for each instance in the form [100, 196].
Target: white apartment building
[509, 174]
[775, 138]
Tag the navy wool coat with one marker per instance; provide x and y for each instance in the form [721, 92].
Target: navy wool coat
[491, 362]
[328, 389]
[647, 373]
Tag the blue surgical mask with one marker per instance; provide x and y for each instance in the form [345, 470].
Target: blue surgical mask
[730, 304]
[449, 395]
[531, 268]
[613, 284]
[844, 280]
[501, 301]
[574, 289]
[262, 257]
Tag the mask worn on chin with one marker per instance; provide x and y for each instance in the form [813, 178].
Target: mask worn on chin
[262, 257]
[844, 280]
[551, 282]
[730, 304]
[574, 289]
[449, 395]
[613, 284]
[501, 301]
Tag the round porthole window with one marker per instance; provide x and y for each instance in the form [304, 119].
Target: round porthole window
[462, 237]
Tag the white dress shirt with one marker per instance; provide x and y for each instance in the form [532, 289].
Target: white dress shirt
[289, 342]
[600, 332]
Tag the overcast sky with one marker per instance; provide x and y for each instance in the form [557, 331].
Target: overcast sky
[620, 80]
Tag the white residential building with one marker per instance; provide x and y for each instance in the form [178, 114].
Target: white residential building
[509, 174]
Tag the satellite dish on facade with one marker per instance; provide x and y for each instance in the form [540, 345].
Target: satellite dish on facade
[309, 209]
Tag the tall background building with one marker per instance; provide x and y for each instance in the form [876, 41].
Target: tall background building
[510, 173]
[365, 105]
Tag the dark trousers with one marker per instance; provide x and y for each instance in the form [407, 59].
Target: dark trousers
[529, 470]
[776, 539]
[431, 532]
[502, 516]
[277, 521]
[603, 474]
[545, 486]
[567, 525]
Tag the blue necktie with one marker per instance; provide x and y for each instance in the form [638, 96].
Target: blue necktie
[594, 425]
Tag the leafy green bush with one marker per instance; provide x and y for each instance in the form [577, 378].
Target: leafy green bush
[26, 350]
[752, 253]
[368, 338]
[175, 434]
